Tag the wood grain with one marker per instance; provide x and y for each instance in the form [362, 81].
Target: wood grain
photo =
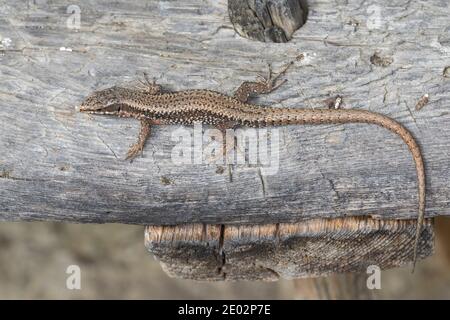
[57, 164]
[317, 247]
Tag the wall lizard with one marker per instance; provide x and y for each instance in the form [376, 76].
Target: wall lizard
[152, 106]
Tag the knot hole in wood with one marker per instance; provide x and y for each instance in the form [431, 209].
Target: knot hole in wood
[267, 20]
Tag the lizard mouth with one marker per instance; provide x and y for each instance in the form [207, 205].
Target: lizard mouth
[113, 109]
[89, 108]
[85, 109]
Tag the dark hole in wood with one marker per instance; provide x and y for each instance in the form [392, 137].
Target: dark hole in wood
[267, 20]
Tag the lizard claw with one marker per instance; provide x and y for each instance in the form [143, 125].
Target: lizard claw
[134, 151]
[271, 81]
[149, 86]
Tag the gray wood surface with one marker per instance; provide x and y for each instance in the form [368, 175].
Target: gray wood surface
[317, 247]
[58, 164]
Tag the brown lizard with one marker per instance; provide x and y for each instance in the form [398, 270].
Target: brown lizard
[153, 107]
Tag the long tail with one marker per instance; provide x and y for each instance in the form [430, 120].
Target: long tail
[281, 116]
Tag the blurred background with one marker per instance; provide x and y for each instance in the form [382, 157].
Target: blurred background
[115, 265]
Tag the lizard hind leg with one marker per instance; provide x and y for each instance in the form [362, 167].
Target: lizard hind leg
[227, 147]
[262, 85]
[138, 147]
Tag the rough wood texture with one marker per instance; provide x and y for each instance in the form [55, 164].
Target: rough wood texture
[314, 248]
[267, 20]
[58, 164]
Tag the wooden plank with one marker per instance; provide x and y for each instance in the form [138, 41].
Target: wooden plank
[57, 164]
[317, 247]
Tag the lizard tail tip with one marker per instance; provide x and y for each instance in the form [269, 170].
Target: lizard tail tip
[413, 267]
[414, 262]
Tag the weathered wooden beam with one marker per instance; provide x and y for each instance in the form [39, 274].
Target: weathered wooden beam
[58, 164]
[312, 248]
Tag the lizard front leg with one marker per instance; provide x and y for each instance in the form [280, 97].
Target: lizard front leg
[138, 147]
[150, 86]
[264, 85]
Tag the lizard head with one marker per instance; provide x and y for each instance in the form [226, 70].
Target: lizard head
[102, 102]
